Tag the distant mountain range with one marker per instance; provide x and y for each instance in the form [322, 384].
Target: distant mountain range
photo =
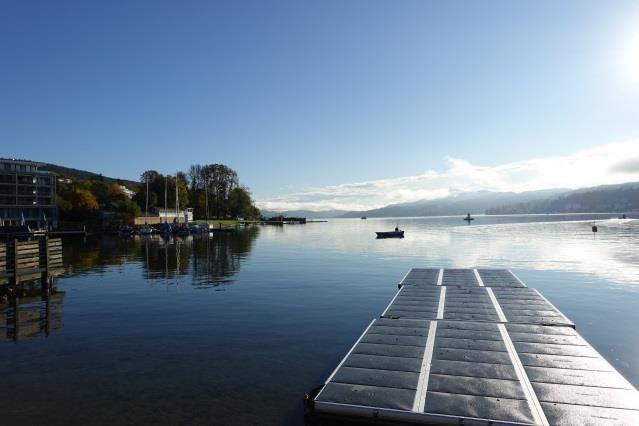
[469, 202]
[607, 198]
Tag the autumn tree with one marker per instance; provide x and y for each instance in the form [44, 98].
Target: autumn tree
[100, 191]
[116, 194]
[83, 205]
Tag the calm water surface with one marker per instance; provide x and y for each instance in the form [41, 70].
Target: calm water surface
[234, 329]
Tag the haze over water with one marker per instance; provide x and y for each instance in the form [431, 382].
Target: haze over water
[234, 329]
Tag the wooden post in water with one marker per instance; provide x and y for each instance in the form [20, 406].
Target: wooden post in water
[16, 315]
[15, 262]
[46, 254]
[46, 284]
[3, 258]
[44, 276]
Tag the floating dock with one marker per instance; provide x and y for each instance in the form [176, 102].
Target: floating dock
[473, 347]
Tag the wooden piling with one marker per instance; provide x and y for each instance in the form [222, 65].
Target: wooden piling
[27, 257]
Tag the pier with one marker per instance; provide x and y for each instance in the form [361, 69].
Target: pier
[472, 347]
[28, 257]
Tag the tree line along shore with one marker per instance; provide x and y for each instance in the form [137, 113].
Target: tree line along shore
[213, 191]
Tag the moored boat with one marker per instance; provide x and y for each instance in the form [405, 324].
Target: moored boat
[146, 230]
[199, 228]
[397, 233]
[125, 231]
[166, 229]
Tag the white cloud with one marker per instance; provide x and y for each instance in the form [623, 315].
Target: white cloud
[606, 164]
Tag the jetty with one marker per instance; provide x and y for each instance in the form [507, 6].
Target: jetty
[472, 347]
[29, 256]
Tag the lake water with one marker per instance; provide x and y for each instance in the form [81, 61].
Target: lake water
[234, 329]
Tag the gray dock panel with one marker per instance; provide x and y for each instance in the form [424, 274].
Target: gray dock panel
[528, 306]
[460, 277]
[513, 305]
[421, 277]
[383, 368]
[448, 350]
[470, 374]
[469, 304]
[499, 278]
[415, 303]
[574, 384]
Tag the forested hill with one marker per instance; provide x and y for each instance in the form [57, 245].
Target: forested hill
[79, 175]
[610, 198]
[469, 202]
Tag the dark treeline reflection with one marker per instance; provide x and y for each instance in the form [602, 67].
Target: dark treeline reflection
[215, 260]
[209, 260]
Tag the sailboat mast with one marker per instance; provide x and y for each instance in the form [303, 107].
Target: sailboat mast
[177, 199]
[166, 182]
[146, 212]
[206, 198]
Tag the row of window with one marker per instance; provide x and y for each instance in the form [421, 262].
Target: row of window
[13, 167]
[11, 213]
[25, 200]
[25, 190]
[40, 180]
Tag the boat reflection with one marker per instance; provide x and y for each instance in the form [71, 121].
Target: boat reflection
[30, 310]
[201, 260]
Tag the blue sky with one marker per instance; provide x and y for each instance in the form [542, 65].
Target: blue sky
[300, 97]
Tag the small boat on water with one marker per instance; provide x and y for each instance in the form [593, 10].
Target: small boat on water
[166, 229]
[201, 228]
[221, 228]
[390, 234]
[146, 230]
[363, 217]
[125, 231]
[397, 233]
[468, 218]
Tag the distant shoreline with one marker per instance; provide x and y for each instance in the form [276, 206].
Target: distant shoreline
[631, 215]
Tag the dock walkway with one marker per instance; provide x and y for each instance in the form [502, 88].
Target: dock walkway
[474, 347]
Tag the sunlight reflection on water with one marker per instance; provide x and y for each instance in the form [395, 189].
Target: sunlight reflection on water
[234, 328]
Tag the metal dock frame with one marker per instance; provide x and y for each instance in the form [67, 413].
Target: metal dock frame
[473, 347]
